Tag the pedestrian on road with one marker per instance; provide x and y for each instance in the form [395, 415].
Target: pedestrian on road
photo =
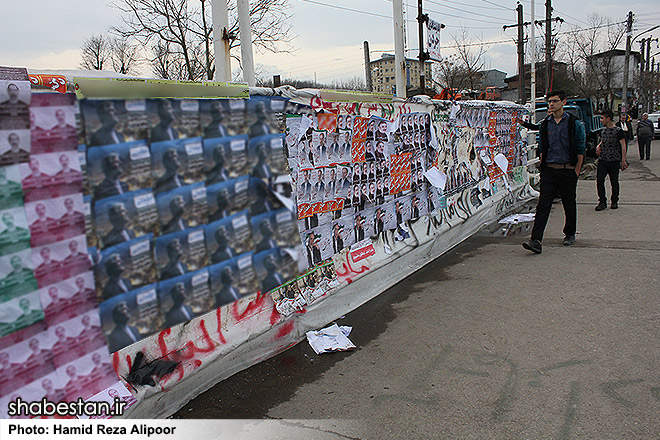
[611, 154]
[625, 124]
[645, 133]
[562, 146]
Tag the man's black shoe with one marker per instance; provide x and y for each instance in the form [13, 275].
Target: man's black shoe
[601, 206]
[569, 240]
[533, 245]
[614, 205]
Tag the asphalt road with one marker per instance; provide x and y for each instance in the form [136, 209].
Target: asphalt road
[490, 341]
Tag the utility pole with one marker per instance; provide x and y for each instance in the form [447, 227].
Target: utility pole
[367, 67]
[423, 56]
[548, 44]
[221, 40]
[626, 67]
[399, 55]
[245, 32]
[532, 61]
[521, 52]
[649, 74]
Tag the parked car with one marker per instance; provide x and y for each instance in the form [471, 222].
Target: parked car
[655, 118]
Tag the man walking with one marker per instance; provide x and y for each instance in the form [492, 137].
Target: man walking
[561, 147]
[645, 133]
[611, 154]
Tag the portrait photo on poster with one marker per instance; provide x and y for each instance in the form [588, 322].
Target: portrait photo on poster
[66, 299]
[182, 208]
[125, 267]
[171, 119]
[130, 317]
[227, 198]
[16, 275]
[185, 297]
[177, 163]
[122, 218]
[114, 121]
[54, 122]
[225, 158]
[119, 169]
[222, 117]
[180, 252]
[14, 231]
[228, 237]
[14, 105]
[14, 146]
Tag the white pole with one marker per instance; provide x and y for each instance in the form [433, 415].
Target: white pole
[247, 59]
[532, 38]
[399, 55]
[220, 19]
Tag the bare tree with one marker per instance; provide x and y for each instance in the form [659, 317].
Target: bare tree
[125, 56]
[95, 52]
[461, 69]
[182, 32]
[590, 58]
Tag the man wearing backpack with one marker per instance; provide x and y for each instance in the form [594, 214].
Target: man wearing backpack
[561, 146]
[645, 133]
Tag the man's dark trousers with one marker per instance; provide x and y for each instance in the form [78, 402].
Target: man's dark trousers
[608, 168]
[553, 182]
[644, 144]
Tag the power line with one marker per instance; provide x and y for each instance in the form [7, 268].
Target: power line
[347, 9]
[461, 10]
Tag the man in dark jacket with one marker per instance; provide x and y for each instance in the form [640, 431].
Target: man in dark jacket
[645, 133]
[562, 145]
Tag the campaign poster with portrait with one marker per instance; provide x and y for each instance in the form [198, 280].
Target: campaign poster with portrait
[119, 169]
[266, 156]
[261, 197]
[273, 267]
[342, 233]
[81, 379]
[54, 119]
[236, 276]
[24, 363]
[317, 244]
[114, 121]
[229, 237]
[110, 395]
[66, 299]
[274, 229]
[222, 117]
[14, 146]
[389, 216]
[20, 312]
[14, 231]
[225, 158]
[122, 218]
[11, 192]
[75, 337]
[90, 232]
[58, 261]
[125, 267]
[180, 252]
[130, 317]
[182, 208]
[51, 175]
[16, 275]
[171, 119]
[265, 115]
[177, 163]
[46, 386]
[185, 297]
[227, 198]
[55, 219]
[15, 97]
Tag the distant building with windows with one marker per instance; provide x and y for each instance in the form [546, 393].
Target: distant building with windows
[383, 76]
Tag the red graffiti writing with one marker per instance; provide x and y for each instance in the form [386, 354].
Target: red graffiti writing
[348, 273]
[251, 308]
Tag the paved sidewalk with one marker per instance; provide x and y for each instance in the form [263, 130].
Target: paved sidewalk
[493, 342]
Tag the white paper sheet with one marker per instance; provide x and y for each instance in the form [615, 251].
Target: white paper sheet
[436, 177]
[330, 339]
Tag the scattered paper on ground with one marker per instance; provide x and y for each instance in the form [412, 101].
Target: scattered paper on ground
[333, 338]
[518, 218]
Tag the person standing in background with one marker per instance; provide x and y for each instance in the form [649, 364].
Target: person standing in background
[645, 134]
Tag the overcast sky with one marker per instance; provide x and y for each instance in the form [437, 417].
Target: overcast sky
[47, 34]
